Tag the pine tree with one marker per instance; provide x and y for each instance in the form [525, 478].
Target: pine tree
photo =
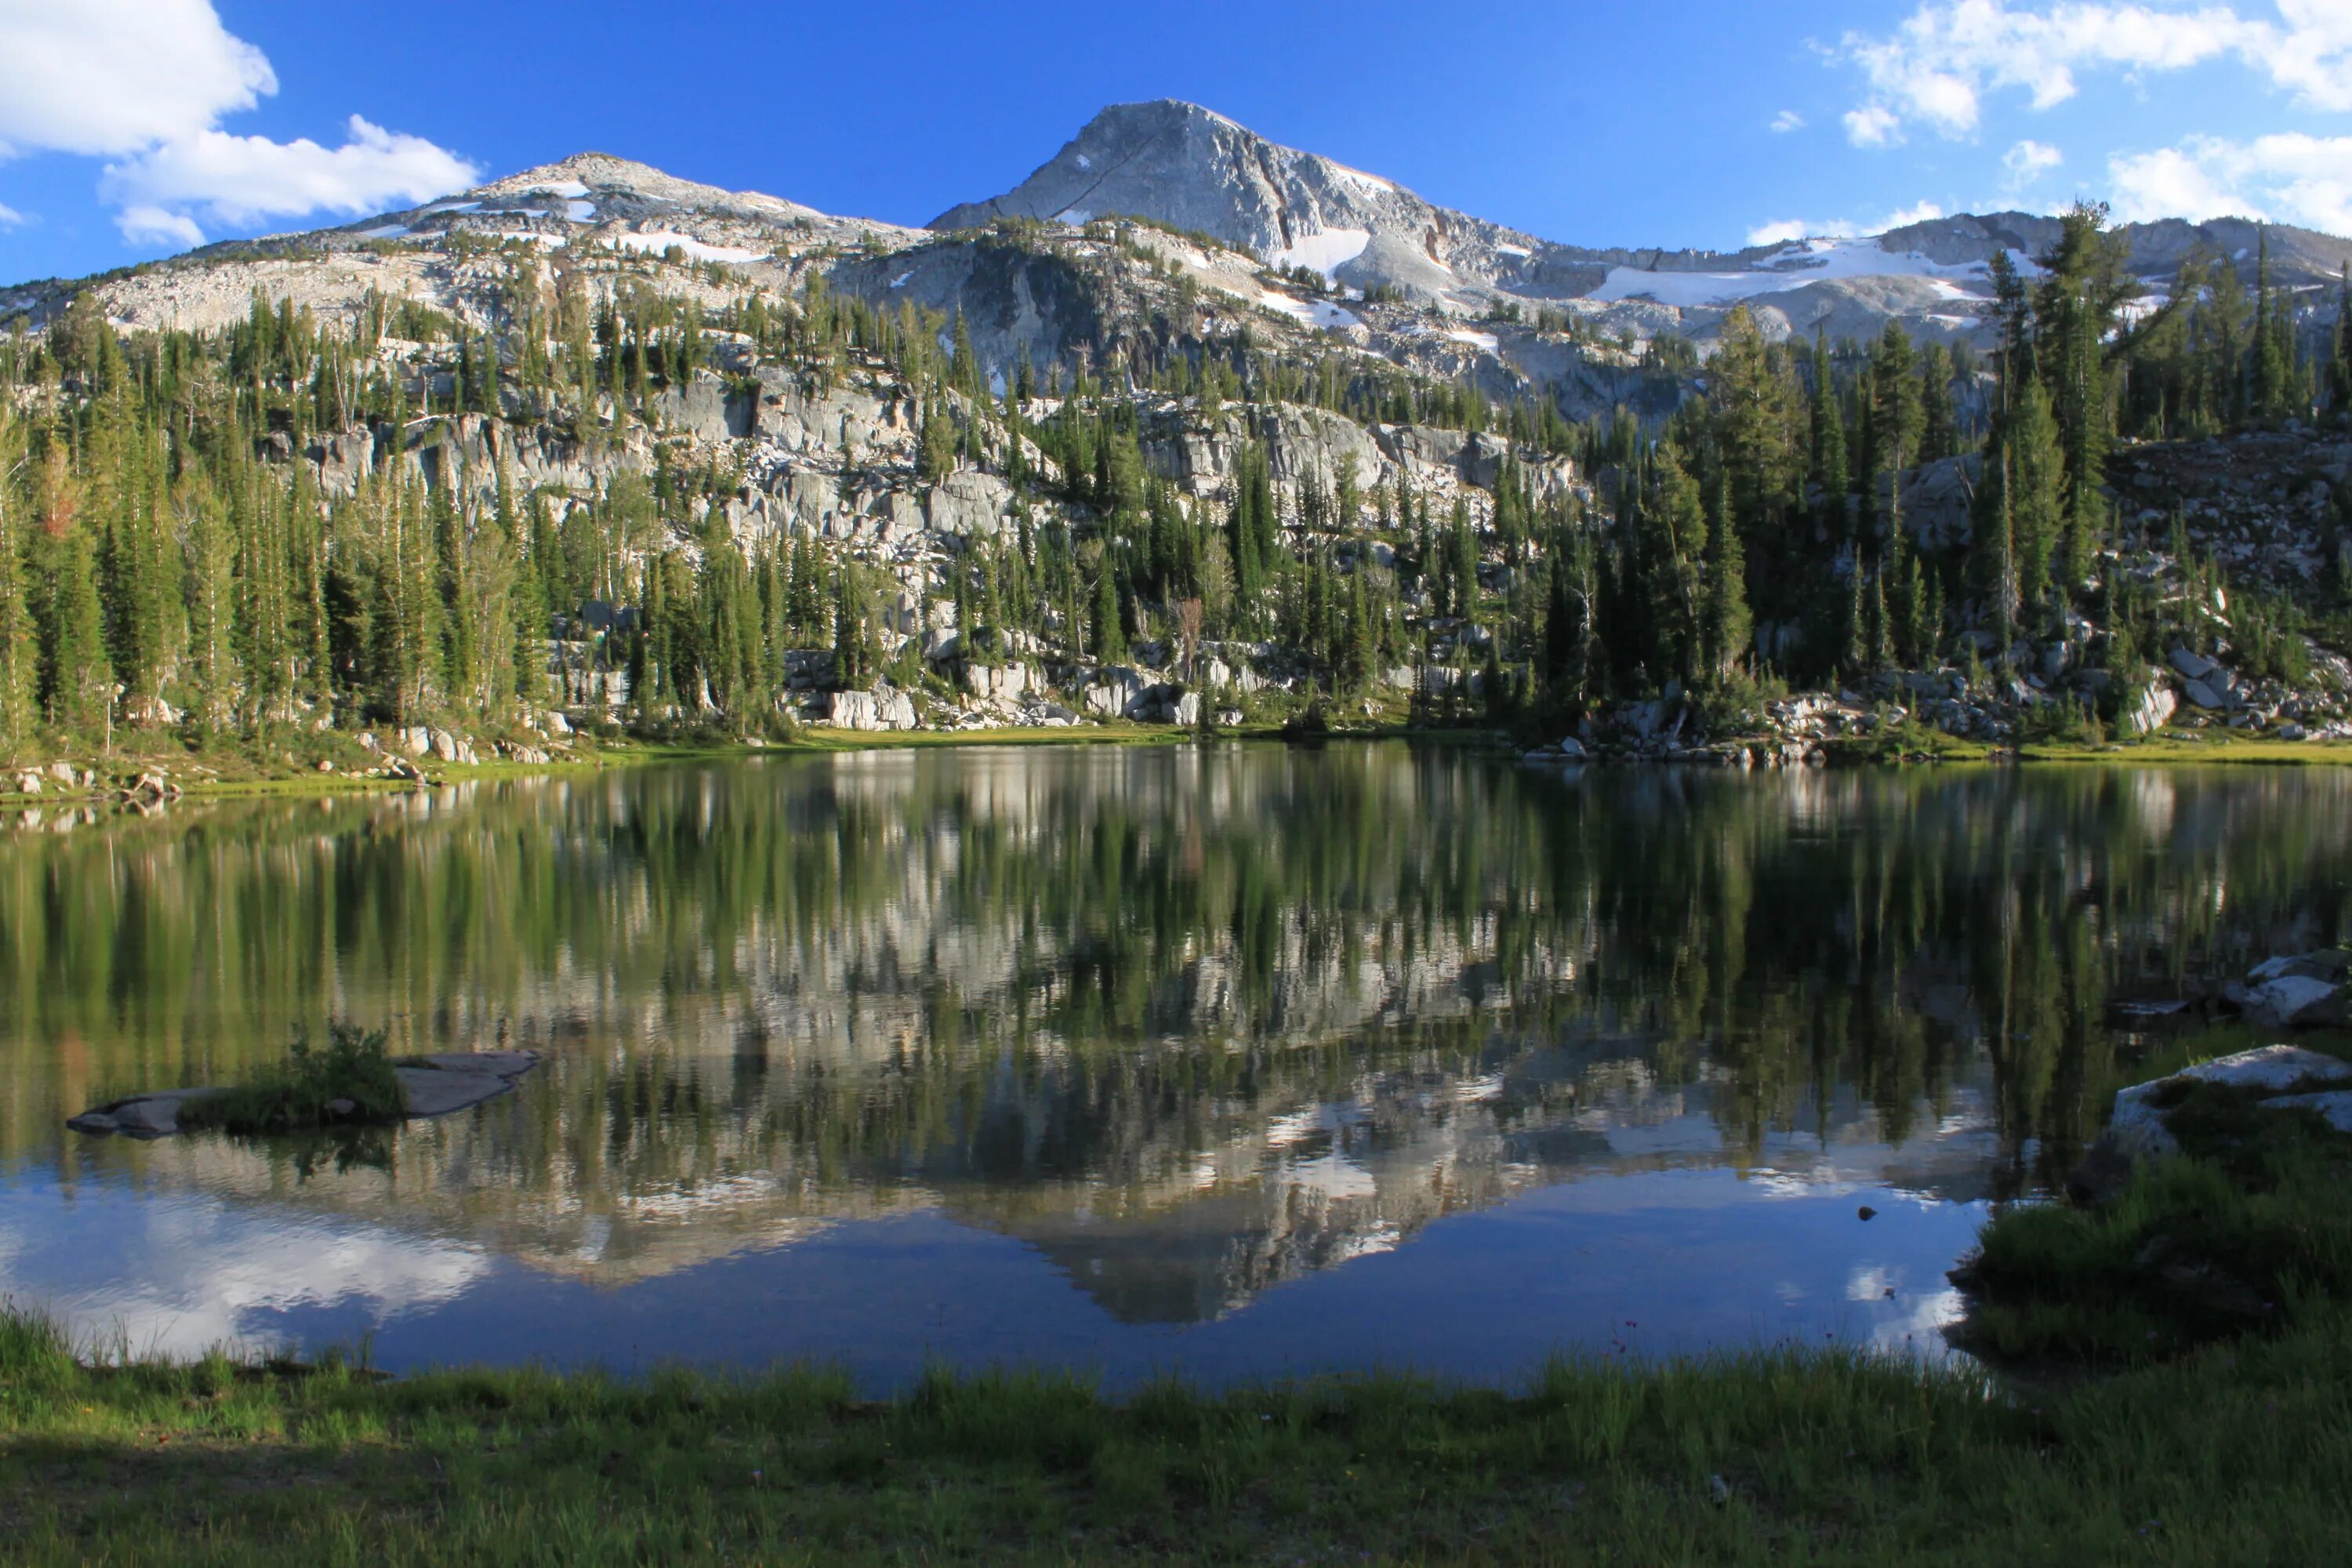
[1355, 661]
[1758, 424]
[403, 621]
[1939, 421]
[19, 642]
[209, 548]
[1829, 465]
[1894, 419]
[2086, 284]
[935, 458]
[1461, 562]
[1110, 635]
[1855, 659]
[1729, 628]
[2273, 366]
[2036, 477]
[77, 677]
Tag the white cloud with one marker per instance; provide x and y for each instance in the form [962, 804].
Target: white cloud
[1788, 120]
[2288, 178]
[100, 77]
[147, 82]
[2027, 162]
[1936, 67]
[1873, 126]
[9, 216]
[245, 179]
[144, 225]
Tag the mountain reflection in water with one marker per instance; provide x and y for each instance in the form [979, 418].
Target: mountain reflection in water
[1184, 1023]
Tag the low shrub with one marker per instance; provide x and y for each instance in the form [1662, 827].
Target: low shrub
[349, 1080]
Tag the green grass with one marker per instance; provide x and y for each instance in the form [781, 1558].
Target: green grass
[2195, 746]
[2228, 1456]
[349, 1081]
[2247, 1232]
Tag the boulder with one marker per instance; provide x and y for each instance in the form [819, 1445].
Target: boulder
[139, 1116]
[1007, 682]
[1114, 692]
[432, 1085]
[870, 711]
[2329, 963]
[2289, 1001]
[2136, 1128]
[2200, 694]
[2192, 666]
[1187, 710]
[2152, 711]
[968, 503]
[2333, 1105]
[447, 1081]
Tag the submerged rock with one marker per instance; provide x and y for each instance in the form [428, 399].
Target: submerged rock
[433, 1085]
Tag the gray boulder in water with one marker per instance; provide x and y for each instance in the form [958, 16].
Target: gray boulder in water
[433, 1085]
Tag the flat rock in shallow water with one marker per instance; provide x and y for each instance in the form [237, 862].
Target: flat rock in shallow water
[142, 1115]
[433, 1085]
[452, 1080]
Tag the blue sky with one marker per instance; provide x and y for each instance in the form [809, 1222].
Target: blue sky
[135, 128]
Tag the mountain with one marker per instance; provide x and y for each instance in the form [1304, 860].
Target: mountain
[1288, 245]
[1180, 165]
[1183, 165]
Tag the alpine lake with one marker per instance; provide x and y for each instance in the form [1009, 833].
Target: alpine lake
[1229, 1061]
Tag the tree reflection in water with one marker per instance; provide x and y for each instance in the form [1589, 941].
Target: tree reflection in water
[1191, 1020]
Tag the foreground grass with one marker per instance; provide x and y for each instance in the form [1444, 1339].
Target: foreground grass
[2228, 1456]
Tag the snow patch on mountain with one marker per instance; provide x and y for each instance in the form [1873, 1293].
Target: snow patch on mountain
[1798, 266]
[1326, 252]
[661, 239]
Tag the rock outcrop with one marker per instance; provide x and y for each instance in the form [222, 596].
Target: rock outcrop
[437, 1084]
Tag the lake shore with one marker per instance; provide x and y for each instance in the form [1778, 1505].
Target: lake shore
[272, 770]
[2231, 1454]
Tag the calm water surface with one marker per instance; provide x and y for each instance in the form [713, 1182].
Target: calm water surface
[1231, 1061]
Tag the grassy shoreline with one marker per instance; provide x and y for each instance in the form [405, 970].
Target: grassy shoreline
[256, 777]
[2232, 1454]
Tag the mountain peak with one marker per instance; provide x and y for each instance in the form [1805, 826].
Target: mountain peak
[1177, 162]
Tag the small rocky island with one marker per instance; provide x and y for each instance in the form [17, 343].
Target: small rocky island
[433, 1085]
